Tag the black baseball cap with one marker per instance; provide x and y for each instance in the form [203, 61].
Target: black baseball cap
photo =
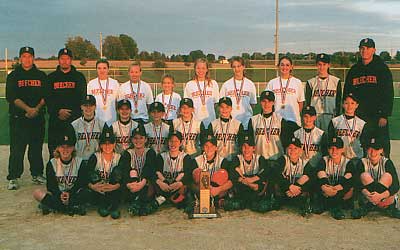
[367, 42]
[107, 135]
[186, 101]
[88, 100]
[124, 102]
[156, 106]
[309, 110]
[267, 94]
[26, 49]
[352, 96]
[227, 100]
[65, 51]
[335, 142]
[296, 141]
[67, 136]
[175, 133]
[248, 139]
[323, 58]
[140, 130]
[375, 143]
[210, 138]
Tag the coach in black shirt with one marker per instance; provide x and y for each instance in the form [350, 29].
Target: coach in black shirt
[66, 89]
[25, 93]
[371, 81]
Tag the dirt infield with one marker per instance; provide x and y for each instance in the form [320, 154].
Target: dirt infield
[23, 227]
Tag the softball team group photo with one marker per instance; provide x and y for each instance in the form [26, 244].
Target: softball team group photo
[314, 147]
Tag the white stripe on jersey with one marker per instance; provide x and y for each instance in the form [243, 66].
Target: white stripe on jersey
[351, 141]
[66, 174]
[249, 169]
[272, 149]
[210, 167]
[294, 95]
[323, 97]
[172, 109]
[80, 125]
[313, 141]
[333, 171]
[290, 170]
[192, 144]
[152, 132]
[109, 115]
[226, 140]
[123, 134]
[211, 97]
[145, 98]
[248, 96]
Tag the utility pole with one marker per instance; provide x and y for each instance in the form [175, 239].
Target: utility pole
[101, 45]
[6, 60]
[276, 33]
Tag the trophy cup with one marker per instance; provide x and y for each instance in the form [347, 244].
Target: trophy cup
[204, 207]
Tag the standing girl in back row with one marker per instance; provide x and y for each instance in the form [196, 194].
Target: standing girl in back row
[288, 90]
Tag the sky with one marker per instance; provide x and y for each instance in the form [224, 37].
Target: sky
[221, 27]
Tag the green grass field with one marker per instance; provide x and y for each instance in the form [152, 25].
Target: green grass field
[4, 128]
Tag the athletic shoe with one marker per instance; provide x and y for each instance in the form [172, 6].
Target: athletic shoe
[45, 209]
[38, 179]
[103, 212]
[79, 209]
[337, 213]
[13, 184]
[115, 214]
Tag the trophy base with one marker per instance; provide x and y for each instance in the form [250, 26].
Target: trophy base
[197, 215]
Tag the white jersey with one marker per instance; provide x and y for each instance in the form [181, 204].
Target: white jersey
[66, 174]
[139, 101]
[171, 104]
[376, 171]
[267, 133]
[190, 134]
[243, 94]
[335, 171]
[226, 134]
[350, 131]
[252, 168]
[106, 94]
[138, 162]
[293, 172]
[172, 167]
[123, 134]
[323, 94]
[204, 95]
[157, 136]
[311, 142]
[287, 97]
[105, 168]
[210, 167]
[87, 136]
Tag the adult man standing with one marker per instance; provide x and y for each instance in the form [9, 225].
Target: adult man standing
[66, 89]
[371, 81]
[25, 92]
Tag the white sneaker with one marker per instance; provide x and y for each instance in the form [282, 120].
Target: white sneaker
[38, 179]
[160, 200]
[13, 185]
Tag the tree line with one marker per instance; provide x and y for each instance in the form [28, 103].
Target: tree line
[124, 47]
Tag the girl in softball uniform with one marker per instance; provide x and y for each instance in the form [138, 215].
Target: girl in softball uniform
[105, 90]
[66, 179]
[324, 92]
[289, 92]
[138, 92]
[124, 127]
[192, 130]
[242, 92]
[226, 129]
[169, 99]
[203, 91]
[157, 131]
[87, 129]
[139, 175]
[105, 176]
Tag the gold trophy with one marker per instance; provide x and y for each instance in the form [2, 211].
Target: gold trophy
[204, 207]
